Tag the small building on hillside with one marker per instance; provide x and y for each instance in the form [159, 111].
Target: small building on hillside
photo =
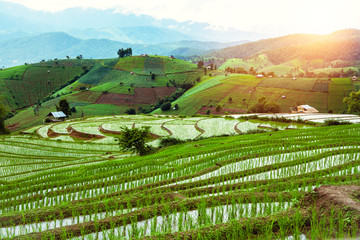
[304, 109]
[354, 78]
[56, 116]
[259, 76]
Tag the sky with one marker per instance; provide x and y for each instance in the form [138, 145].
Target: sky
[264, 16]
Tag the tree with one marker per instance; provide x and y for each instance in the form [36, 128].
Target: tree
[218, 108]
[272, 108]
[36, 109]
[262, 106]
[200, 64]
[3, 129]
[166, 106]
[64, 107]
[353, 102]
[133, 140]
[130, 111]
[252, 71]
[124, 52]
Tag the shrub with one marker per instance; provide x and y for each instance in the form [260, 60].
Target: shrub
[133, 139]
[262, 106]
[169, 141]
[3, 129]
[130, 111]
[166, 106]
[253, 131]
[332, 122]
[218, 108]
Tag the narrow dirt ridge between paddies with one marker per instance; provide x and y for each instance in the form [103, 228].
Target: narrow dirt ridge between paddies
[82, 135]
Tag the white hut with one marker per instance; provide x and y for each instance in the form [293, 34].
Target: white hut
[304, 109]
[57, 116]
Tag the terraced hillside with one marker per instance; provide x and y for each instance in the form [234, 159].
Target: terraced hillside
[236, 93]
[106, 129]
[25, 85]
[109, 87]
[295, 67]
[237, 187]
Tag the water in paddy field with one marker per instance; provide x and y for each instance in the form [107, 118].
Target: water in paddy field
[9, 232]
[313, 117]
[183, 221]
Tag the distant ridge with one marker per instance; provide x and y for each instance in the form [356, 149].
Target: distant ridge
[287, 44]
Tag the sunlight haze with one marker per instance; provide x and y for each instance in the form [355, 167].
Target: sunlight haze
[272, 18]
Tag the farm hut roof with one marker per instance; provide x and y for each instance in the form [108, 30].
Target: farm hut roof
[308, 108]
[57, 114]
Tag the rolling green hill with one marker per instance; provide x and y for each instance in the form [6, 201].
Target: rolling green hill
[93, 87]
[111, 86]
[244, 91]
[25, 85]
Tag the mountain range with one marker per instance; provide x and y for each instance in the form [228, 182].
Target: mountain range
[113, 25]
[35, 48]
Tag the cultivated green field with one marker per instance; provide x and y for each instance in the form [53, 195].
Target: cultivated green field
[244, 91]
[100, 87]
[236, 187]
[23, 86]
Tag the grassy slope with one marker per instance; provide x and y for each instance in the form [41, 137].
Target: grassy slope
[23, 86]
[118, 76]
[262, 64]
[246, 89]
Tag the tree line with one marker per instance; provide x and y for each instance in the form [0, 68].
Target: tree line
[124, 52]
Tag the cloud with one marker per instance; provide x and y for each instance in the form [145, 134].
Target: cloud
[313, 16]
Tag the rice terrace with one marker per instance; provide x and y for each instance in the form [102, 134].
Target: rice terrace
[59, 185]
[179, 120]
